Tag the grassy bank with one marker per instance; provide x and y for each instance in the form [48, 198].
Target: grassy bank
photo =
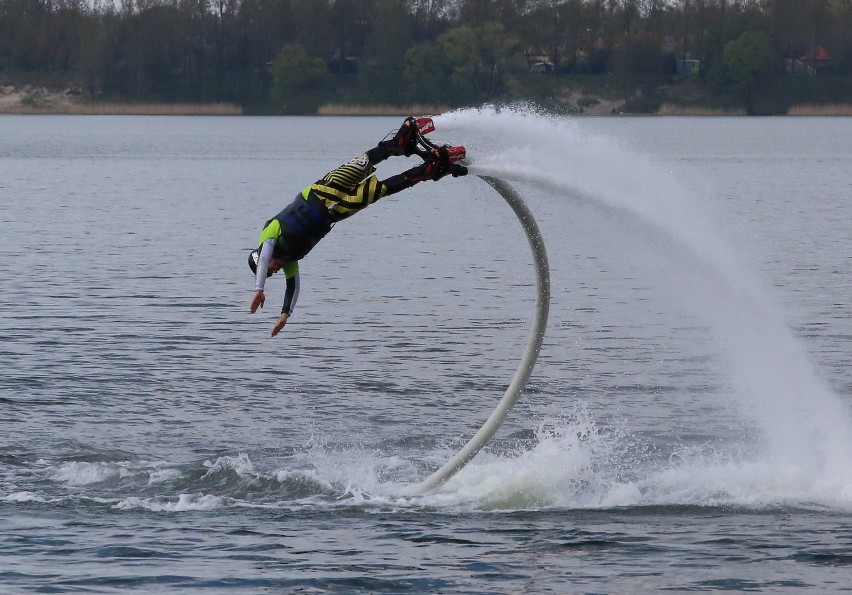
[831, 109]
[47, 106]
[670, 109]
[417, 109]
[122, 109]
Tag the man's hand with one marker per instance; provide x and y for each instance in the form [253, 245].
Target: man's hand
[257, 300]
[282, 320]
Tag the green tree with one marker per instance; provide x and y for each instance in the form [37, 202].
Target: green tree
[464, 65]
[501, 59]
[639, 63]
[745, 58]
[839, 36]
[298, 81]
[427, 75]
[382, 63]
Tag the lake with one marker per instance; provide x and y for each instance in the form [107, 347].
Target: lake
[687, 426]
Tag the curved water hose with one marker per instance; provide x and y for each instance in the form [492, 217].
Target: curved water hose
[536, 337]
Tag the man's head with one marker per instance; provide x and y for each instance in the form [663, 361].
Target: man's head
[275, 264]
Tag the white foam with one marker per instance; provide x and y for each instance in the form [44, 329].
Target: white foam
[85, 473]
[81, 473]
[23, 497]
[241, 465]
[156, 476]
[185, 502]
[573, 466]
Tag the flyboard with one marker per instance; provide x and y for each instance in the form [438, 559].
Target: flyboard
[536, 335]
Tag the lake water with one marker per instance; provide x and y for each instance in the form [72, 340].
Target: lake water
[687, 427]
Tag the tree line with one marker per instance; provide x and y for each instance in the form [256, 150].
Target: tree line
[291, 55]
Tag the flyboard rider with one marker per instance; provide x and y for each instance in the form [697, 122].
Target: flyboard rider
[291, 234]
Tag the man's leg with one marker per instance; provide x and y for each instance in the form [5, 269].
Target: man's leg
[440, 164]
[351, 187]
[347, 177]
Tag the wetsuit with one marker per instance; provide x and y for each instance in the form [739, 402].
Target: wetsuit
[341, 193]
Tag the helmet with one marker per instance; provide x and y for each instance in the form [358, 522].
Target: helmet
[253, 257]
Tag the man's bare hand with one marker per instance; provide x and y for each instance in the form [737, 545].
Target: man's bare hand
[257, 301]
[282, 320]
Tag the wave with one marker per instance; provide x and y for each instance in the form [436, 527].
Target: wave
[569, 463]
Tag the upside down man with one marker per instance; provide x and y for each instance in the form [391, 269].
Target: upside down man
[291, 234]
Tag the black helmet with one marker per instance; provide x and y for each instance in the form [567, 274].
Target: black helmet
[253, 257]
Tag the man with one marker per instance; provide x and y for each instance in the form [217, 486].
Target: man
[291, 234]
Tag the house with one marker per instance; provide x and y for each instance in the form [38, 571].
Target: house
[688, 67]
[811, 63]
[542, 67]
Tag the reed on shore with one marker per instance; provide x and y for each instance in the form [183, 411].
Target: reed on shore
[828, 109]
[805, 109]
[670, 109]
[340, 109]
[379, 109]
[123, 109]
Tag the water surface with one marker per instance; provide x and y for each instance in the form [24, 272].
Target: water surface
[687, 426]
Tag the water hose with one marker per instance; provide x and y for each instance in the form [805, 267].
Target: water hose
[534, 341]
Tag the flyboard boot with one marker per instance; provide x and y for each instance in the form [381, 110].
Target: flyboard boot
[438, 160]
[404, 142]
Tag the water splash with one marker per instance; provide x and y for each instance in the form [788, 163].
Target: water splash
[806, 429]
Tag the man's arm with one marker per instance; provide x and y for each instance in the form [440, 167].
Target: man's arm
[263, 259]
[291, 296]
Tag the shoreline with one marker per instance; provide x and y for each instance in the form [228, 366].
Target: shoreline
[29, 100]
[379, 109]
[39, 101]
